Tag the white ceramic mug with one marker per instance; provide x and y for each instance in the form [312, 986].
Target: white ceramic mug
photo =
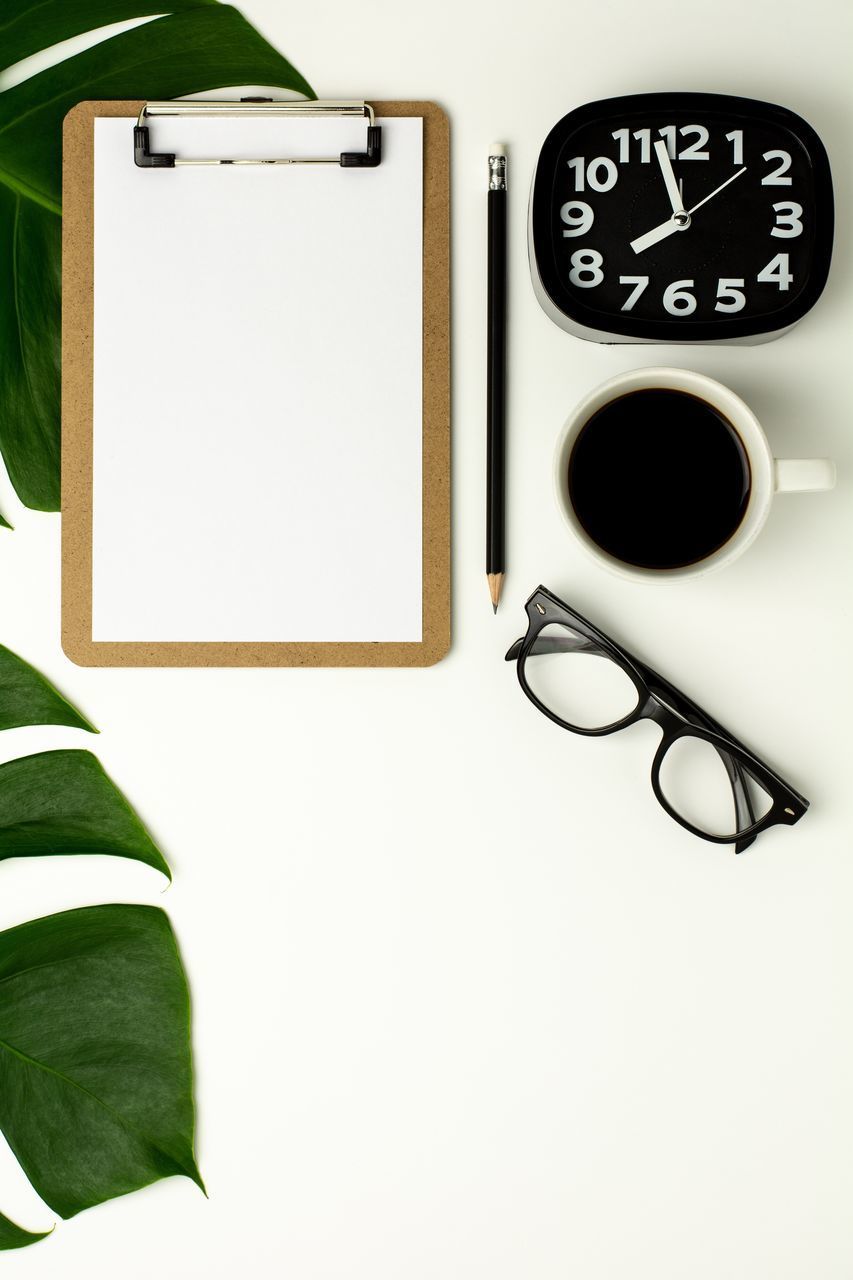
[769, 475]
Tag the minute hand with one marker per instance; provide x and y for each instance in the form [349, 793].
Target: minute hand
[670, 227]
[717, 189]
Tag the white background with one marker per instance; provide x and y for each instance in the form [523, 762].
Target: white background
[467, 1003]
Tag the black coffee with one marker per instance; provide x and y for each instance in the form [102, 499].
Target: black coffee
[659, 479]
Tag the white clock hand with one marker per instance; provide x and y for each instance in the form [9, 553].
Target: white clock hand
[679, 221]
[716, 189]
[660, 232]
[672, 186]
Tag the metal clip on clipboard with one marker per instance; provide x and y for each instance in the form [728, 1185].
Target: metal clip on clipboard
[145, 158]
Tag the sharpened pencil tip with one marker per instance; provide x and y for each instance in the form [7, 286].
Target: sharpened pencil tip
[495, 581]
[494, 608]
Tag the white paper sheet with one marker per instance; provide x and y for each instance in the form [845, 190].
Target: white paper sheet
[258, 386]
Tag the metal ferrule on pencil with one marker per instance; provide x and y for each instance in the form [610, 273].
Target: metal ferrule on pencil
[497, 173]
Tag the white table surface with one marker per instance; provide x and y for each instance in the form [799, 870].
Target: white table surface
[467, 1003]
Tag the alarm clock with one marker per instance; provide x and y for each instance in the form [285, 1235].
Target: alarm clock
[680, 217]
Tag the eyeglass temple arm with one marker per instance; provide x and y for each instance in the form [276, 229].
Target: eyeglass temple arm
[744, 811]
[555, 644]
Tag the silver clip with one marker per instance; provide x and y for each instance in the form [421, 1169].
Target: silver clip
[145, 158]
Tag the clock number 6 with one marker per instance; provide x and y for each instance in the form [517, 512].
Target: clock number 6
[677, 301]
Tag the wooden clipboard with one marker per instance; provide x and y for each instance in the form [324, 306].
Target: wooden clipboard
[77, 430]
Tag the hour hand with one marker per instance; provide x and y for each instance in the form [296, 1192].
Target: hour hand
[658, 233]
[669, 177]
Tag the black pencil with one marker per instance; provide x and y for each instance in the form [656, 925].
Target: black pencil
[496, 378]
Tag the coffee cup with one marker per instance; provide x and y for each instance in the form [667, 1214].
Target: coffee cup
[666, 474]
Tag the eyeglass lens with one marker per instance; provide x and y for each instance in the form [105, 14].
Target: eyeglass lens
[694, 778]
[576, 681]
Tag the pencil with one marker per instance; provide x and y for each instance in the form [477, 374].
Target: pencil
[496, 377]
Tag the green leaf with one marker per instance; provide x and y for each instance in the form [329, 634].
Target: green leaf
[14, 1237]
[26, 697]
[62, 802]
[95, 1060]
[206, 48]
[203, 46]
[30, 272]
[39, 24]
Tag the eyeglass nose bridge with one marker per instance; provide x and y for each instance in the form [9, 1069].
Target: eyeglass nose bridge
[654, 708]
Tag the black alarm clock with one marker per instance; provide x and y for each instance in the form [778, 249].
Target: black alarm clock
[680, 217]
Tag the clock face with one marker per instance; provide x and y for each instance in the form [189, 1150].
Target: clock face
[682, 217]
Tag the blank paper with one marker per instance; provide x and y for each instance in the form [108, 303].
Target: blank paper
[257, 386]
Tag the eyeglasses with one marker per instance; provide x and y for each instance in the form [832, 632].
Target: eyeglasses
[704, 778]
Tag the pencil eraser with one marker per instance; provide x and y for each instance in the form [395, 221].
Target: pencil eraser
[497, 149]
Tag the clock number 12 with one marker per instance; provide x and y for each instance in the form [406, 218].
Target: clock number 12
[694, 151]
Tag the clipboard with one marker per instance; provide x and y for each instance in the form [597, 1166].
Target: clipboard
[315, 630]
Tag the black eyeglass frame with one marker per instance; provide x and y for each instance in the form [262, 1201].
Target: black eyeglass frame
[676, 715]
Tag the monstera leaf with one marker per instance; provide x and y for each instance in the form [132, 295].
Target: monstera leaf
[27, 698]
[95, 1061]
[95, 1064]
[14, 1237]
[29, 346]
[194, 47]
[62, 802]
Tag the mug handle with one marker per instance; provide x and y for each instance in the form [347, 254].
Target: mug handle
[803, 475]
